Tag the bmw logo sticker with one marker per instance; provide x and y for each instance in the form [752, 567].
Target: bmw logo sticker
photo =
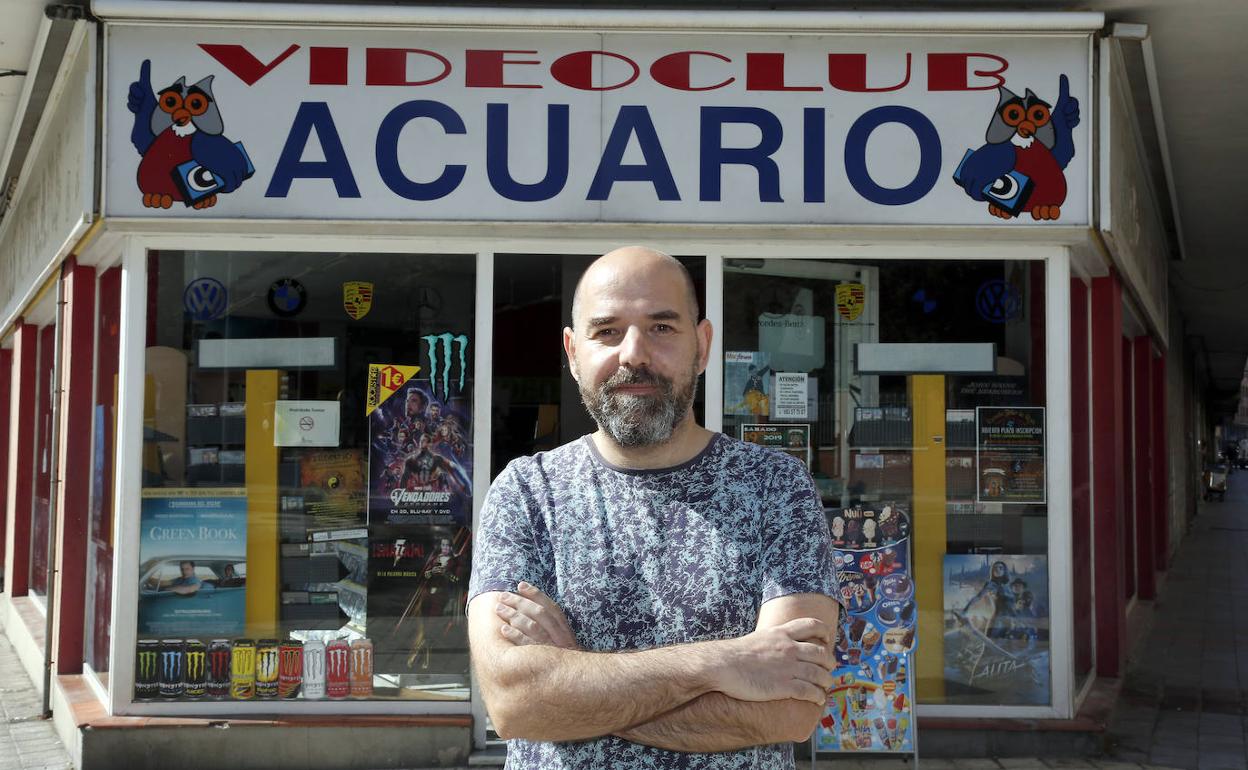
[287, 297]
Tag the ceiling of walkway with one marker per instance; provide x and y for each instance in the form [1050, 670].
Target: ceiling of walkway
[1198, 45]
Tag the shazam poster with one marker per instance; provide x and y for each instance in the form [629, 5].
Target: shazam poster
[420, 450]
[997, 629]
[871, 705]
[417, 594]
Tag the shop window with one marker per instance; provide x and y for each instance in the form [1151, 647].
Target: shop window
[914, 393]
[97, 629]
[305, 526]
[536, 403]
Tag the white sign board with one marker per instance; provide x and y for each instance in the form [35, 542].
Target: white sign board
[306, 423]
[583, 126]
[790, 400]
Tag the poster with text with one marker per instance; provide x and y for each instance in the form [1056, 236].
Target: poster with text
[747, 383]
[871, 705]
[332, 483]
[420, 457]
[1010, 455]
[192, 562]
[996, 629]
[790, 438]
[417, 591]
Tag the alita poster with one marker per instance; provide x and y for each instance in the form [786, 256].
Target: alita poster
[997, 629]
[417, 591]
[420, 450]
[871, 705]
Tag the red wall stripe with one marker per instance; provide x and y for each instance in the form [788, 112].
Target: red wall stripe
[1107, 474]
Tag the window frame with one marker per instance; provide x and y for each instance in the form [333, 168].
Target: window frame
[480, 241]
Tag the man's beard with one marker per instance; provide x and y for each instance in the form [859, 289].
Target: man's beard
[639, 420]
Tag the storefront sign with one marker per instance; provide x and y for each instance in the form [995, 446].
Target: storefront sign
[1010, 455]
[580, 126]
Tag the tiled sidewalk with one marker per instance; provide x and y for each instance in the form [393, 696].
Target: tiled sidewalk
[26, 741]
[1184, 699]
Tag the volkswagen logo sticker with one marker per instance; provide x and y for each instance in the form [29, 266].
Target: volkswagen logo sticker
[205, 299]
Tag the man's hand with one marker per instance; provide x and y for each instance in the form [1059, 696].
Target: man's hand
[782, 662]
[788, 661]
[532, 617]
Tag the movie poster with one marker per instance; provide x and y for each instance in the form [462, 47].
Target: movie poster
[747, 383]
[1010, 454]
[419, 455]
[417, 591]
[871, 705]
[996, 629]
[193, 562]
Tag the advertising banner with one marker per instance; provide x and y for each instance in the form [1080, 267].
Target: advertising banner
[586, 125]
[790, 438]
[1010, 454]
[192, 562]
[420, 456]
[871, 705]
[996, 629]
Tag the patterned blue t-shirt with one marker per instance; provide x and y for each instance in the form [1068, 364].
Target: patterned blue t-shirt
[644, 559]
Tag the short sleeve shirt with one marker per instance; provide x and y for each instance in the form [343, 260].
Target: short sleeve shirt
[639, 559]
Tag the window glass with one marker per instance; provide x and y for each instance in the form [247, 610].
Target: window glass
[103, 451]
[914, 392]
[307, 476]
[536, 403]
[45, 445]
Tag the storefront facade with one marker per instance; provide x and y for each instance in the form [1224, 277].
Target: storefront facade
[320, 309]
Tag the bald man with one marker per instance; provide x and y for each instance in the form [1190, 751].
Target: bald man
[654, 594]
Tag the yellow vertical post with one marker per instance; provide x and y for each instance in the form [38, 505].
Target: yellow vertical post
[261, 480]
[927, 402]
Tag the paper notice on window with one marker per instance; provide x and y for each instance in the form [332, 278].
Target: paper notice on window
[306, 423]
[790, 399]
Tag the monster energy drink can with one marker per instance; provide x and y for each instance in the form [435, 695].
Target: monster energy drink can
[361, 668]
[147, 669]
[266, 668]
[289, 669]
[313, 669]
[337, 668]
[219, 668]
[172, 668]
[196, 668]
[243, 669]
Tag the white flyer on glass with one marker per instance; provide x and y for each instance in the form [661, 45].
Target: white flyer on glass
[791, 396]
[306, 423]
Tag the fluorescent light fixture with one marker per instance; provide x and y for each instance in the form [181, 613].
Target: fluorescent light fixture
[925, 358]
[267, 353]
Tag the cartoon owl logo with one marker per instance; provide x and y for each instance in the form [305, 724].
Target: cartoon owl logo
[1022, 165]
[179, 133]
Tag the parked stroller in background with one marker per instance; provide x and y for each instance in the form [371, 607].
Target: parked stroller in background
[1215, 482]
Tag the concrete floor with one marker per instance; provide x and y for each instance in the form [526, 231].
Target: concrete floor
[1184, 701]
